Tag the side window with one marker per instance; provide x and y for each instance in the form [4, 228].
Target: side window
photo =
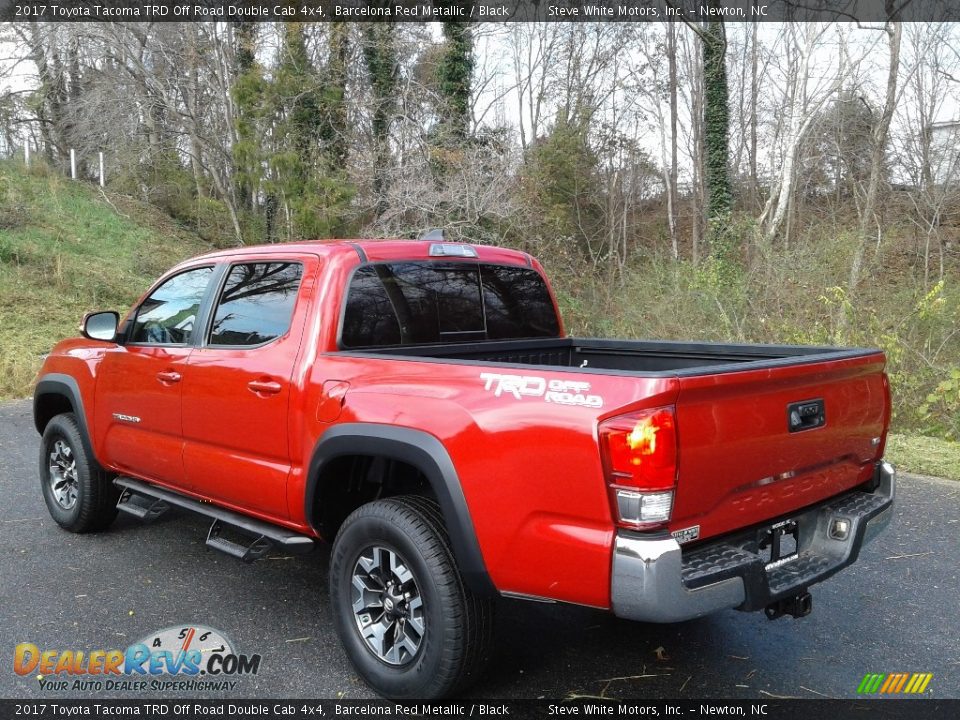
[168, 315]
[256, 304]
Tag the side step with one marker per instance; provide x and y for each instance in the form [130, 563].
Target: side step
[148, 502]
[141, 506]
[254, 549]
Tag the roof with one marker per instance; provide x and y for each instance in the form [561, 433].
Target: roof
[372, 250]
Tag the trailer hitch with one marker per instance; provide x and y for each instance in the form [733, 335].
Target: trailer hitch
[797, 606]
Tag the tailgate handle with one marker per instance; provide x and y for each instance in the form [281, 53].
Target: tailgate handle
[805, 415]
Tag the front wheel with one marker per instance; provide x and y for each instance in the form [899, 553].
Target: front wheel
[407, 622]
[79, 494]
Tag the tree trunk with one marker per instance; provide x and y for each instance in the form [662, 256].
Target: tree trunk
[698, 192]
[455, 75]
[381, 58]
[754, 185]
[894, 31]
[716, 124]
[192, 91]
[672, 178]
[337, 92]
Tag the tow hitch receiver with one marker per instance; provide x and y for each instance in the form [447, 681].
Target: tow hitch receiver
[797, 606]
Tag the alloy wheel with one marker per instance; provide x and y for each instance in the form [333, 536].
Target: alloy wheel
[387, 605]
[64, 483]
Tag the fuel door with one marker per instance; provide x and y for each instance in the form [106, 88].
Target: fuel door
[331, 402]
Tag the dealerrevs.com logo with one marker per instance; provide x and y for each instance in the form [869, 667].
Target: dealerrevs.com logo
[185, 657]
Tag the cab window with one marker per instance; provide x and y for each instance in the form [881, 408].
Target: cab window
[256, 304]
[168, 316]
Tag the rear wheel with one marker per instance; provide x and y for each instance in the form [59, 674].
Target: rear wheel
[406, 620]
[79, 495]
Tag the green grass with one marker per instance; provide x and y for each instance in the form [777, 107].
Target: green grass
[66, 248]
[924, 455]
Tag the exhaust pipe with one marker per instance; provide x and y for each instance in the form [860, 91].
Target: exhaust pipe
[797, 606]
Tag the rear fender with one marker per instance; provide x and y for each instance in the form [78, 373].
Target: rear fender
[427, 454]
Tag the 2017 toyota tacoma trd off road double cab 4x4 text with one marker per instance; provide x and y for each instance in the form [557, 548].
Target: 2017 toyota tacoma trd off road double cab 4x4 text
[419, 405]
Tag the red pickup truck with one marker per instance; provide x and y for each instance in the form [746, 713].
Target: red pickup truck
[418, 404]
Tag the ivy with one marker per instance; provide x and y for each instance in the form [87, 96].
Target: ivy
[716, 120]
[455, 76]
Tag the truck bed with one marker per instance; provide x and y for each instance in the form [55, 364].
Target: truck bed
[627, 356]
[738, 453]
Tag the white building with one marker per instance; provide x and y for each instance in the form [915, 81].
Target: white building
[945, 152]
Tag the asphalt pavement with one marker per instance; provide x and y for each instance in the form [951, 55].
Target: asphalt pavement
[896, 610]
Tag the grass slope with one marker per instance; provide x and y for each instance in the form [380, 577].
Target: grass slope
[924, 455]
[66, 248]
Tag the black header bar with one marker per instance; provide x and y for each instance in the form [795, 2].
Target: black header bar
[869, 12]
[762, 709]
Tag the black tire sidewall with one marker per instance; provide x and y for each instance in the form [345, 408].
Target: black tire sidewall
[63, 427]
[417, 679]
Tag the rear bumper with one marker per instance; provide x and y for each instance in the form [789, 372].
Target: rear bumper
[654, 580]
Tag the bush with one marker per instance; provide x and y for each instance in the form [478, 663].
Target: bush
[213, 222]
[939, 415]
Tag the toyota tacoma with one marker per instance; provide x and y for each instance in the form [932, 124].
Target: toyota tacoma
[418, 405]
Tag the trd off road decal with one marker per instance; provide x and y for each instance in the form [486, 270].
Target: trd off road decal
[561, 392]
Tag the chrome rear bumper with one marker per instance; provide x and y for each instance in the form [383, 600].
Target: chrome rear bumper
[654, 580]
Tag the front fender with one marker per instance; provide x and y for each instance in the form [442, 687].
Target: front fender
[49, 394]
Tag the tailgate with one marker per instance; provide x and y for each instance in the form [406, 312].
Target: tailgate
[739, 461]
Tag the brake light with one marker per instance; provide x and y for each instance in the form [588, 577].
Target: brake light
[639, 453]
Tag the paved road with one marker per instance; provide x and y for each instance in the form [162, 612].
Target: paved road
[896, 610]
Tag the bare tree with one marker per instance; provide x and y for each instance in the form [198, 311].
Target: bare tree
[805, 90]
[894, 32]
[533, 52]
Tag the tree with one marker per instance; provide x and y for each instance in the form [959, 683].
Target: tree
[248, 91]
[805, 91]
[894, 31]
[380, 55]
[309, 163]
[533, 53]
[649, 84]
[562, 182]
[672, 79]
[716, 122]
[455, 75]
[835, 155]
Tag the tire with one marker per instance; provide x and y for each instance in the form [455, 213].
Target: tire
[438, 645]
[79, 495]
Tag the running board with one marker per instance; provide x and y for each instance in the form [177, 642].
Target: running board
[148, 502]
[252, 548]
[144, 507]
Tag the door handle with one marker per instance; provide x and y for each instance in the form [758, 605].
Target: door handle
[168, 376]
[264, 387]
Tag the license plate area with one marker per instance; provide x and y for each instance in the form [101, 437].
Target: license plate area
[779, 543]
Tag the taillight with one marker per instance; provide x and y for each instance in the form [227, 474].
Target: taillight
[640, 461]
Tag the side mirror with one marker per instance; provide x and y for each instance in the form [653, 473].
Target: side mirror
[100, 325]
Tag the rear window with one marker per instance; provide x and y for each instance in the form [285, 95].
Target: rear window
[408, 303]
